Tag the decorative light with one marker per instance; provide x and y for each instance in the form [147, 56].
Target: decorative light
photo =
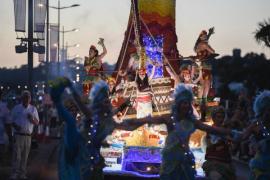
[154, 49]
[265, 131]
[25, 87]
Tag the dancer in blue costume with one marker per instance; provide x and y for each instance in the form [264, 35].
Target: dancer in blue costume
[259, 131]
[177, 159]
[80, 157]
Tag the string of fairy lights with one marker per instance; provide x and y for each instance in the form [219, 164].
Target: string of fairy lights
[92, 142]
[264, 129]
[188, 154]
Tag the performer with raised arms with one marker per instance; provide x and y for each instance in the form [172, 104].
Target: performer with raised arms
[93, 66]
[177, 159]
[204, 53]
[80, 157]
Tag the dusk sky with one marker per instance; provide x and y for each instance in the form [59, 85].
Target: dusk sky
[234, 20]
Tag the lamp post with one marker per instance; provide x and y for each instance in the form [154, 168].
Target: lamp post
[63, 38]
[30, 45]
[69, 46]
[60, 8]
[47, 47]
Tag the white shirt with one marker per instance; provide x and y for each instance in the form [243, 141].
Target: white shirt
[4, 119]
[19, 117]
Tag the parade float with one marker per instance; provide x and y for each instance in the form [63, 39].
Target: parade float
[149, 39]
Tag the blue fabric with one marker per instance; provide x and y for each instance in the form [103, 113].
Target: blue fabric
[260, 164]
[178, 161]
[75, 162]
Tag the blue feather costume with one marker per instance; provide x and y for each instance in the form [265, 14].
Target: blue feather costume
[79, 156]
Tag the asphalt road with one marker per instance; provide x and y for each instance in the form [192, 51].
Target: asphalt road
[42, 165]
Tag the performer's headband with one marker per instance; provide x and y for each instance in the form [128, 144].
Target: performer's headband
[203, 33]
[93, 47]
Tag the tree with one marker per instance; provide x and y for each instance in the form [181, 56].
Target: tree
[262, 34]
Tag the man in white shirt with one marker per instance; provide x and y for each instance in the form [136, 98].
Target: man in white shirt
[5, 123]
[24, 117]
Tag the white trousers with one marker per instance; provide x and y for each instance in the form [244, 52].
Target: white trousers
[21, 151]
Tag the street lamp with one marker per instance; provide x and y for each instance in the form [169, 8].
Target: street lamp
[74, 57]
[74, 45]
[60, 8]
[63, 38]
[70, 46]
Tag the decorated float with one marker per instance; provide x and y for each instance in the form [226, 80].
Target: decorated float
[149, 39]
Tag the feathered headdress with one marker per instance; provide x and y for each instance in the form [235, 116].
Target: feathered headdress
[237, 88]
[98, 93]
[183, 92]
[261, 102]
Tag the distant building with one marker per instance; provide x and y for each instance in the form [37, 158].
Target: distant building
[236, 53]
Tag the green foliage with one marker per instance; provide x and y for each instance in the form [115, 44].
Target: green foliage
[262, 34]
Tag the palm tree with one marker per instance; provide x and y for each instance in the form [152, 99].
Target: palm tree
[262, 34]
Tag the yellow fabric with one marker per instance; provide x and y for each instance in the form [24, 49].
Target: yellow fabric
[162, 7]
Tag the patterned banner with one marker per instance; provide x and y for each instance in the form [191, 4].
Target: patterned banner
[39, 15]
[54, 32]
[20, 15]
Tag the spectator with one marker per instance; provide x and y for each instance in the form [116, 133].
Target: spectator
[5, 122]
[260, 130]
[24, 117]
[240, 121]
[218, 164]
